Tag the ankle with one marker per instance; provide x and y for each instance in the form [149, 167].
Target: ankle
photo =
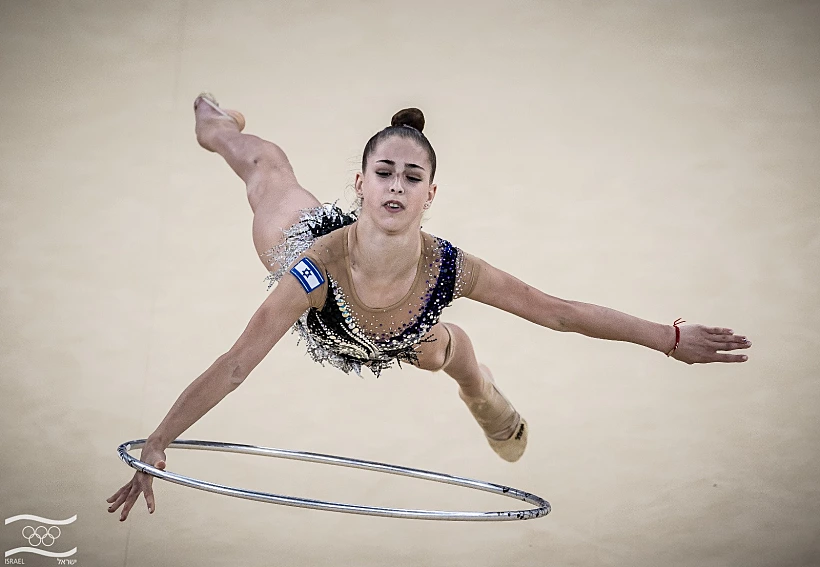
[213, 133]
[493, 412]
[473, 391]
[504, 431]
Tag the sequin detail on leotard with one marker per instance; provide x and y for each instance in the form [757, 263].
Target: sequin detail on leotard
[347, 335]
[348, 341]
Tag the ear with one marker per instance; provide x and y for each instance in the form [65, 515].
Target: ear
[431, 192]
[357, 184]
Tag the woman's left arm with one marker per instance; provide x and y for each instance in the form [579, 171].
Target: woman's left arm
[698, 344]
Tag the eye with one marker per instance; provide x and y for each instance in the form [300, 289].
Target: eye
[383, 173]
[414, 179]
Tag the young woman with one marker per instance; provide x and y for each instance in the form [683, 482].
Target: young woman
[367, 288]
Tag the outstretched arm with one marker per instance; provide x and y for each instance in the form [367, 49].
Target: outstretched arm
[274, 317]
[697, 343]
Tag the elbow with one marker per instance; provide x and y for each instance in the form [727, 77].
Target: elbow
[233, 370]
[551, 312]
[566, 317]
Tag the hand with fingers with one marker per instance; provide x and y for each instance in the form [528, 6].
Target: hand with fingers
[139, 484]
[699, 345]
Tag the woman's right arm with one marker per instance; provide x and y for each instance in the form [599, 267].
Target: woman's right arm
[275, 316]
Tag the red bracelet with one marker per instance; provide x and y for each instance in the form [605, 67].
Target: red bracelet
[677, 336]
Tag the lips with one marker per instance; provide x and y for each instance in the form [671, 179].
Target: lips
[393, 205]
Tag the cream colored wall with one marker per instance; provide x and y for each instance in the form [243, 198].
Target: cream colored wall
[657, 158]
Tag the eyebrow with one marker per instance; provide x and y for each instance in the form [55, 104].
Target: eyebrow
[393, 163]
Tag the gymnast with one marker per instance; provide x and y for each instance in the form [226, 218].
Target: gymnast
[366, 288]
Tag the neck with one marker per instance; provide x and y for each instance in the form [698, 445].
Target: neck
[379, 253]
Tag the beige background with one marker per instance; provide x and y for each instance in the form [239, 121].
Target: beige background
[660, 158]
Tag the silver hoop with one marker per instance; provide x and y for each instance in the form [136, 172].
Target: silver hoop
[542, 510]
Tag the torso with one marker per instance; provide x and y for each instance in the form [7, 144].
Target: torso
[344, 328]
[381, 288]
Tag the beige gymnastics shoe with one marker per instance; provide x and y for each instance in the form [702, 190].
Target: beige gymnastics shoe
[234, 115]
[497, 416]
[512, 448]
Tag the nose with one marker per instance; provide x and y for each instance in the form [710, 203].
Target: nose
[396, 186]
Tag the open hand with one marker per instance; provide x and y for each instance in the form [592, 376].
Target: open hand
[699, 344]
[140, 483]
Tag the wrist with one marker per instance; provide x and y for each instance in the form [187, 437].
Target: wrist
[675, 329]
[662, 338]
[156, 441]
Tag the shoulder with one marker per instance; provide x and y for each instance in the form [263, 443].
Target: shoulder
[438, 246]
[465, 267]
[442, 247]
[328, 253]
[330, 248]
[318, 263]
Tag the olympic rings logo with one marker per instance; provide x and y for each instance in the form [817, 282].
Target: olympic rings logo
[46, 538]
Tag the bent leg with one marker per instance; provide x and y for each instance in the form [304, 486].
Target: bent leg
[505, 429]
[275, 196]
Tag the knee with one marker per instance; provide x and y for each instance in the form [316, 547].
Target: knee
[255, 159]
[438, 354]
[270, 158]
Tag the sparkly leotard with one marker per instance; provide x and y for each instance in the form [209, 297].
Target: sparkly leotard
[339, 328]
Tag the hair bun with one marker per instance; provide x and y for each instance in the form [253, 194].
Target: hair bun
[412, 117]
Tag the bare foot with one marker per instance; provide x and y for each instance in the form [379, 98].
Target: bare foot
[211, 121]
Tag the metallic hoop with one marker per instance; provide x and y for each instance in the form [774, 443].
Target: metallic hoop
[542, 510]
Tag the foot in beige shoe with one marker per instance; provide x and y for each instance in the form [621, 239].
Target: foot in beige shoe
[511, 449]
[505, 429]
[210, 118]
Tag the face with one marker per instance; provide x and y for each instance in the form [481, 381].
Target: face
[396, 185]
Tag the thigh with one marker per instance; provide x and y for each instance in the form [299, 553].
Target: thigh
[277, 202]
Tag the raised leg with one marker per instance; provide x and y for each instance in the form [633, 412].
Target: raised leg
[452, 352]
[275, 196]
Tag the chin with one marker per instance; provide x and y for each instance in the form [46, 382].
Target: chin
[395, 223]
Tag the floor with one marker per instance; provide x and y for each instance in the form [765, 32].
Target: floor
[659, 158]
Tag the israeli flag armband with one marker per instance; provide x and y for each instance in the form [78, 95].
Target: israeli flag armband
[308, 274]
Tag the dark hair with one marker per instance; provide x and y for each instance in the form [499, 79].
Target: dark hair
[406, 123]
